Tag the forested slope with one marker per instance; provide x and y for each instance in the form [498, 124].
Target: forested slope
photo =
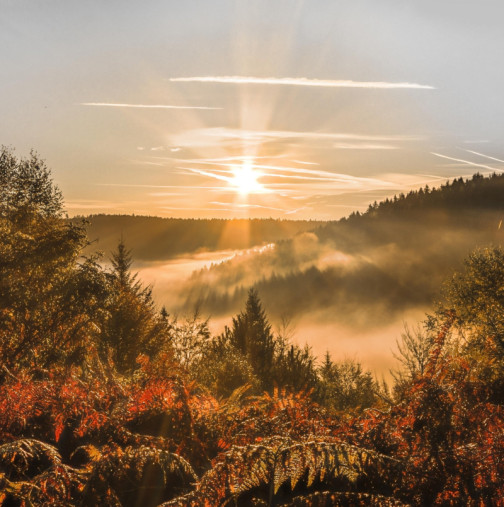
[157, 239]
[394, 257]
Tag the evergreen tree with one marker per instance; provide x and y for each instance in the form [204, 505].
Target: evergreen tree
[251, 335]
[121, 263]
[274, 361]
[132, 326]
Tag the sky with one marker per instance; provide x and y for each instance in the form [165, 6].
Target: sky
[293, 109]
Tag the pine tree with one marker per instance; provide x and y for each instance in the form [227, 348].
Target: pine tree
[133, 326]
[251, 335]
[121, 263]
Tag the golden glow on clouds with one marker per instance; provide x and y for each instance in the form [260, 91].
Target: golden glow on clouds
[213, 136]
[302, 81]
[146, 106]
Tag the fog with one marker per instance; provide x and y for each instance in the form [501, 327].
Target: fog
[323, 330]
[346, 288]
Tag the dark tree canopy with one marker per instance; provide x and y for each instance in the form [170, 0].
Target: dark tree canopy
[26, 187]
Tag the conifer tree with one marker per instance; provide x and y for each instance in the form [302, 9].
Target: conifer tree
[133, 326]
[251, 335]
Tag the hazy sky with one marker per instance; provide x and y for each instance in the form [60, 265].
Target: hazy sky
[221, 108]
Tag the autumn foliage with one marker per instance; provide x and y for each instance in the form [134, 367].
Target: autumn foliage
[104, 400]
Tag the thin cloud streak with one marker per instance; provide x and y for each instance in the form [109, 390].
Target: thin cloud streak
[312, 174]
[317, 178]
[139, 185]
[484, 156]
[147, 106]
[364, 146]
[467, 162]
[146, 162]
[304, 162]
[227, 179]
[211, 136]
[292, 212]
[167, 194]
[287, 134]
[302, 81]
[240, 205]
[191, 208]
[238, 158]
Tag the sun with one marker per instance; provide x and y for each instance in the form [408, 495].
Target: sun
[245, 179]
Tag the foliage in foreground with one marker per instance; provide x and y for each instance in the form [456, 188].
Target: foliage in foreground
[111, 441]
[105, 401]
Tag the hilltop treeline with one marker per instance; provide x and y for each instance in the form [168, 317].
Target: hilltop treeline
[155, 238]
[478, 192]
[107, 400]
[394, 256]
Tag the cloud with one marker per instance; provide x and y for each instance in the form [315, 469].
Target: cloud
[84, 204]
[485, 156]
[364, 146]
[211, 136]
[167, 194]
[304, 162]
[467, 162]
[146, 106]
[243, 205]
[296, 173]
[192, 208]
[302, 81]
[140, 185]
[286, 180]
[210, 174]
[293, 211]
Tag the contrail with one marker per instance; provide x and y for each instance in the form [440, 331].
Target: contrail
[468, 162]
[484, 156]
[302, 81]
[146, 106]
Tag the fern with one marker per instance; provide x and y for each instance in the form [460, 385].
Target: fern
[26, 458]
[32, 474]
[279, 463]
[329, 499]
[136, 476]
[59, 485]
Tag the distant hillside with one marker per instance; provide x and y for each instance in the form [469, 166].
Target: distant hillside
[368, 267]
[155, 238]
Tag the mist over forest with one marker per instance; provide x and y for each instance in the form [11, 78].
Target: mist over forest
[159, 239]
[348, 286]
[108, 397]
[366, 270]
[368, 267]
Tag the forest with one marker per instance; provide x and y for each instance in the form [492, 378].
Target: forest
[108, 399]
[151, 238]
[395, 255]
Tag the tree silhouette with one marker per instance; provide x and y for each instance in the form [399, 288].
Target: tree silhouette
[251, 335]
[50, 299]
[132, 325]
